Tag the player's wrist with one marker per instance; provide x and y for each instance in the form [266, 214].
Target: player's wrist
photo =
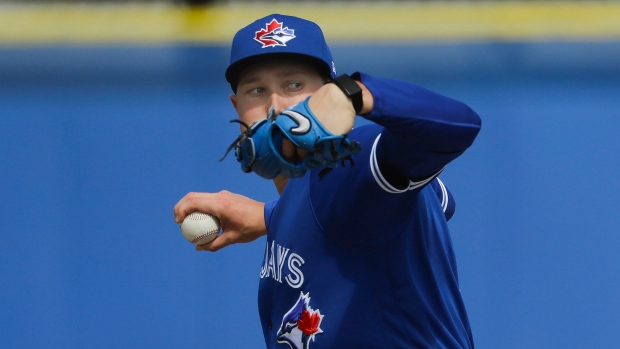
[367, 98]
[352, 90]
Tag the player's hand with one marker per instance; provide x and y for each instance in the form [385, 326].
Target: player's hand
[241, 218]
[334, 110]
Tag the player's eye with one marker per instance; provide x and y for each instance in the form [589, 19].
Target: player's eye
[256, 90]
[294, 86]
[252, 89]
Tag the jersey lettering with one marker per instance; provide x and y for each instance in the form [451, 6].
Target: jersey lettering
[276, 257]
[294, 262]
[271, 269]
[264, 270]
[282, 252]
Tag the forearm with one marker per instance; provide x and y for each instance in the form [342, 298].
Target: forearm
[423, 132]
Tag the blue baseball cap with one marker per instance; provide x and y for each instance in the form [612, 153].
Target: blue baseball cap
[276, 36]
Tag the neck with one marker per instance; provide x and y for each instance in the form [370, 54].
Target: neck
[280, 183]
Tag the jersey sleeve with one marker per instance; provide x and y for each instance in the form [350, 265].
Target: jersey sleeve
[423, 130]
[445, 197]
[268, 211]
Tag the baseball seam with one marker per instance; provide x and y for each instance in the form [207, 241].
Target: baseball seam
[207, 233]
[199, 216]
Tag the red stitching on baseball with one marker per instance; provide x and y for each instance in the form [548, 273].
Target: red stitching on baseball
[210, 232]
[199, 216]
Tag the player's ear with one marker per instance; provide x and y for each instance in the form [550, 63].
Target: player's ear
[233, 100]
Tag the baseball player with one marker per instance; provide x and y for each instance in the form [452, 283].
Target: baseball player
[358, 252]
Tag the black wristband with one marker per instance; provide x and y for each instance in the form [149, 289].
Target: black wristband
[352, 90]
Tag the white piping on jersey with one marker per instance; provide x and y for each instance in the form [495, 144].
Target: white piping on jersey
[384, 184]
[444, 195]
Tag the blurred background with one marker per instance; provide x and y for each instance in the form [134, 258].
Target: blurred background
[110, 112]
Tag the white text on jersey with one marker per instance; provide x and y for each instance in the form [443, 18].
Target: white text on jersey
[275, 258]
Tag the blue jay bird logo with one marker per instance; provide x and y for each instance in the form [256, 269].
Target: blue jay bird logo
[274, 35]
[300, 324]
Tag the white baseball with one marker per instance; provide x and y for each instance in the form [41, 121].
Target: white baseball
[200, 228]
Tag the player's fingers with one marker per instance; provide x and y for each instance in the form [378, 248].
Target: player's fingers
[203, 247]
[190, 203]
[289, 151]
[178, 211]
[301, 154]
[217, 244]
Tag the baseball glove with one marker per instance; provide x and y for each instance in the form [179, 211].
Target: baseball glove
[259, 147]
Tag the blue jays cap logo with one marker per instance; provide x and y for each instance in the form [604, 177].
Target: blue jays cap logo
[300, 324]
[274, 35]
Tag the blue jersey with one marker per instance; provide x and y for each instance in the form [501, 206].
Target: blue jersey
[362, 257]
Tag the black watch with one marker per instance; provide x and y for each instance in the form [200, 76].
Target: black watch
[352, 90]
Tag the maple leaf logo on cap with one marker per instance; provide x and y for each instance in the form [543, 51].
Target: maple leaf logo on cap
[274, 35]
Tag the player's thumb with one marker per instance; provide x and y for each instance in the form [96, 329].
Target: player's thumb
[217, 244]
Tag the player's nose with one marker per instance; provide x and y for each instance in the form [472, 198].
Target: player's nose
[278, 102]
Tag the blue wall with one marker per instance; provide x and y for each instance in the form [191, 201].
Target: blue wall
[98, 143]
